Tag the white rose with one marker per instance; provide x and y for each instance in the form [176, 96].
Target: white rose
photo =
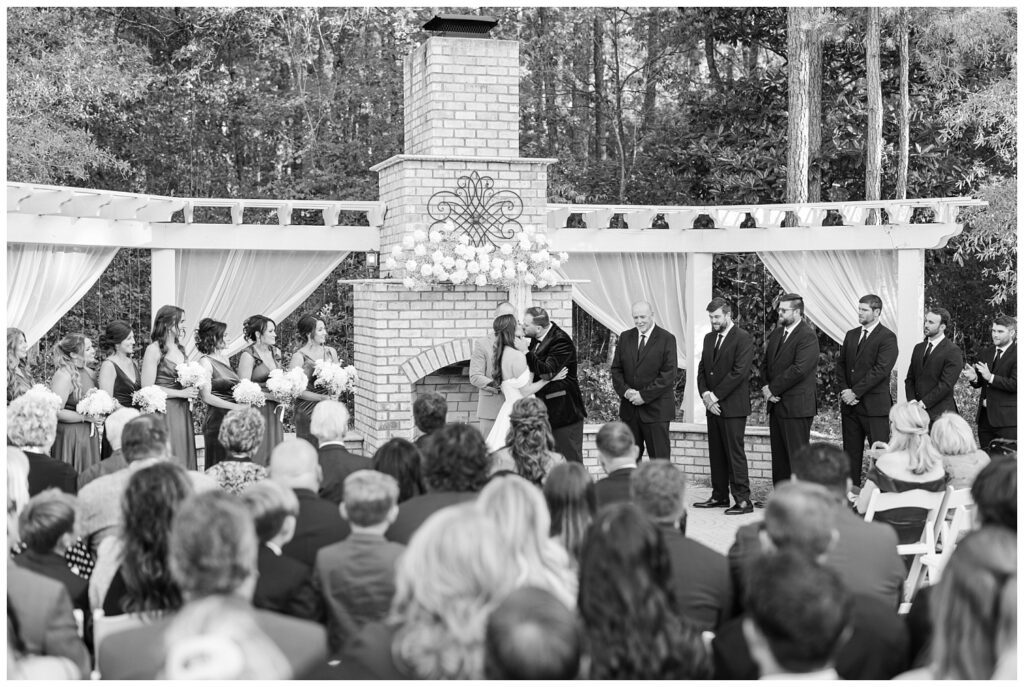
[496, 273]
[535, 257]
[497, 263]
[530, 280]
[524, 243]
[436, 236]
[426, 270]
[506, 249]
[419, 235]
[390, 263]
[522, 266]
[481, 280]
[510, 273]
[408, 242]
[463, 240]
[437, 256]
[541, 239]
[411, 266]
[484, 250]
[420, 250]
[460, 264]
[459, 276]
[473, 267]
[396, 250]
[448, 226]
[409, 282]
[441, 274]
[448, 262]
[485, 263]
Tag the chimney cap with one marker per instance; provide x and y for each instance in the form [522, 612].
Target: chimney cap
[462, 25]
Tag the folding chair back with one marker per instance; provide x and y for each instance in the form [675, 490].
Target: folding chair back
[930, 501]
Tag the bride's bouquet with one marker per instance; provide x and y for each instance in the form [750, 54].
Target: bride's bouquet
[150, 399]
[249, 393]
[96, 403]
[43, 394]
[286, 386]
[334, 378]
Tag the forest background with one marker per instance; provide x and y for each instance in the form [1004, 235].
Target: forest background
[639, 105]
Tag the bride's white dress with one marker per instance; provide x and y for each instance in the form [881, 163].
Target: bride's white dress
[511, 389]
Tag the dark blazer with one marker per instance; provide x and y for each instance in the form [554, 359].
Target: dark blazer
[139, 653]
[727, 377]
[789, 371]
[700, 580]
[614, 487]
[867, 373]
[285, 586]
[56, 568]
[652, 373]
[45, 472]
[319, 524]
[367, 657]
[413, 512]
[337, 463]
[1001, 392]
[562, 398]
[931, 382]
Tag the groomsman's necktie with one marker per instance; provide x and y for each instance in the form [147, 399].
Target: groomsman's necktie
[863, 335]
[927, 352]
[785, 335]
[995, 361]
[643, 340]
[718, 344]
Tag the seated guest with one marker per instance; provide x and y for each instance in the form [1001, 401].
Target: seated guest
[294, 465]
[212, 553]
[329, 425]
[700, 576]
[240, 434]
[801, 518]
[519, 509]
[32, 427]
[530, 447]
[531, 636]
[910, 462]
[569, 493]
[961, 458]
[401, 459]
[113, 428]
[454, 573]
[47, 526]
[284, 584]
[356, 577]
[995, 494]
[630, 627]
[798, 615]
[617, 452]
[429, 413]
[454, 469]
[864, 557]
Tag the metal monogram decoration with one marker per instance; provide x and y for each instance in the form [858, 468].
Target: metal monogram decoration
[477, 210]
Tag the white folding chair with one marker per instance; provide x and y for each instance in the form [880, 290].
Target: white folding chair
[930, 501]
[955, 519]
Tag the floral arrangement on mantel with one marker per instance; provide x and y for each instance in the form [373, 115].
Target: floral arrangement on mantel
[439, 256]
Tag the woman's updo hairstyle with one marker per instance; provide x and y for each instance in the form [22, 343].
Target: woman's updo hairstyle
[115, 333]
[209, 335]
[257, 324]
[306, 328]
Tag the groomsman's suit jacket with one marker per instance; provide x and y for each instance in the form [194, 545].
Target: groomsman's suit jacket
[867, 373]
[481, 372]
[1000, 395]
[652, 372]
[931, 381]
[788, 370]
[728, 376]
[562, 398]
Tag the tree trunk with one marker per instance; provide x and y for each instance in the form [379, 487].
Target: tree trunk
[799, 67]
[650, 72]
[709, 52]
[873, 164]
[600, 127]
[751, 63]
[620, 130]
[902, 164]
[814, 111]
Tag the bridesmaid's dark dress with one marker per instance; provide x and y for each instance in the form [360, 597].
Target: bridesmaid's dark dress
[273, 433]
[222, 381]
[304, 409]
[124, 387]
[179, 417]
[73, 444]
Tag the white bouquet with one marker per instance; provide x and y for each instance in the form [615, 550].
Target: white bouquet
[249, 393]
[150, 399]
[43, 394]
[334, 378]
[193, 374]
[286, 386]
[96, 403]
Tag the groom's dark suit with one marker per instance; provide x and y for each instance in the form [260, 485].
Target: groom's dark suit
[562, 398]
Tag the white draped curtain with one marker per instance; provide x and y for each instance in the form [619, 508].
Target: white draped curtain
[232, 285]
[44, 282]
[617, 280]
[832, 282]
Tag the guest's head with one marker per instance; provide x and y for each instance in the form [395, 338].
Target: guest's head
[47, 523]
[260, 329]
[994, 493]
[429, 411]
[908, 425]
[825, 464]
[529, 438]
[274, 510]
[311, 329]
[572, 502]
[970, 605]
[117, 337]
[952, 436]
[168, 325]
[658, 488]
[800, 517]
[455, 459]
[115, 423]
[401, 459]
[455, 571]
[798, 613]
[294, 464]
[213, 547]
[241, 433]
[145, 437]
[616, 446]
[624, 593]
[531, 635]
[17, 347]
[370, 500]
[153, 495]
[32, 423]
[329, 421]
[210, 335]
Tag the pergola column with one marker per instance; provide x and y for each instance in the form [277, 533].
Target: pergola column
[910, 283]
[164, 289]
[696, 294]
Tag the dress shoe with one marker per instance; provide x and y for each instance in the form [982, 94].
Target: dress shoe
[741, 508]
[712, 503]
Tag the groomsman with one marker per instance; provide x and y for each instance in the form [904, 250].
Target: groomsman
[644, 376]
[481, 374]
[723, 375]
[789, 369]
[935, 366]
[996, 374]
[866, 360]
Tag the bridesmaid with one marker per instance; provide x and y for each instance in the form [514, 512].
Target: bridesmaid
[159, 367]
[313, 333]
[18, 378]
[217, 396]
[119, 374]
[256, 363]
[71, 382]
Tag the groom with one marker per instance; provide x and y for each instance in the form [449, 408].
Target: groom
[550, 350]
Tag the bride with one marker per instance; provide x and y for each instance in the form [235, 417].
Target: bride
[512, 373]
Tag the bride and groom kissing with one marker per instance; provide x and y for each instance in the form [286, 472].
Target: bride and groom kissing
[521, 359]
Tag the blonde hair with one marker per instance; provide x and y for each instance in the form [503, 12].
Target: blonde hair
[62, 352]
[952, 436]
[17, 480]
[909, 423]
[32, 421]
